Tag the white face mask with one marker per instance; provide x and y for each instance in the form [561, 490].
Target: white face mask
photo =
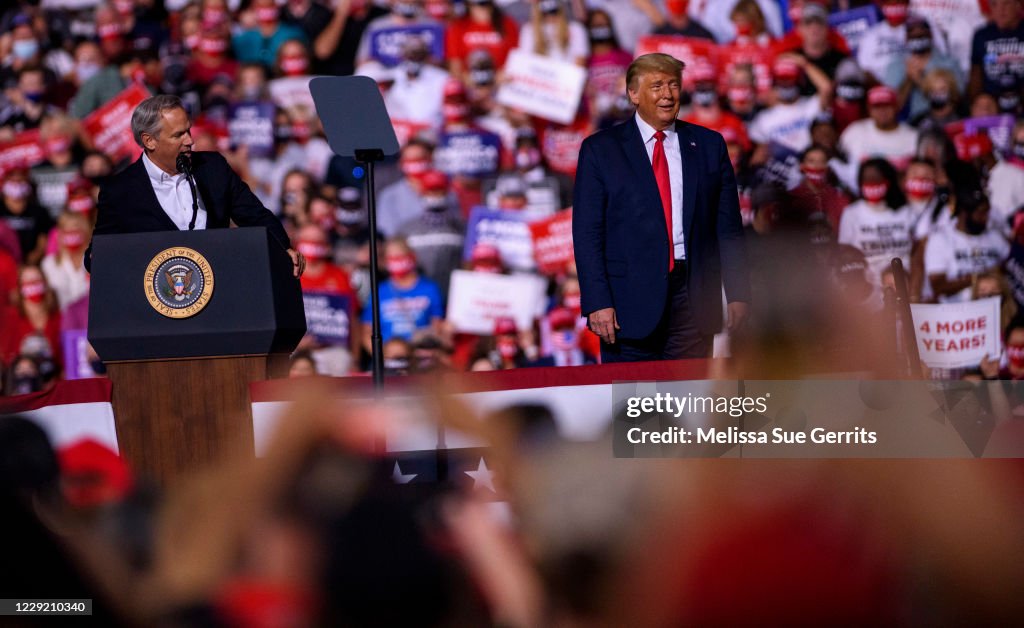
[86, 70]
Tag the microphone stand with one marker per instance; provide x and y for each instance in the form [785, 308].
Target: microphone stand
[184, 166]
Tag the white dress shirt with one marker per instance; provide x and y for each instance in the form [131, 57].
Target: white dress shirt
[675, 177]
[175, 196]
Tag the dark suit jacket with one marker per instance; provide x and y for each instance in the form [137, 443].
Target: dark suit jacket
[128, 204]
[621, 241]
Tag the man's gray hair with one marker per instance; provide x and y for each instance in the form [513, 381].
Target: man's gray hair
[147, 117]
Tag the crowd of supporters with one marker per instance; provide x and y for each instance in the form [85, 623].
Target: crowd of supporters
[897, 140]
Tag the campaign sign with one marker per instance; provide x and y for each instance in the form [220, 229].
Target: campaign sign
[542, 86]
[758, 58]
[506, 230]
[469, 153]
[692, 51]
[999, 129]
[552, 243]
[957, 335]
[476, 299]
[327, 317]
[24, 151]
[76, 354]
[252, 125]
[110, 126]
[852, 24]
[292, 91]
[407, 129]
[386, 44]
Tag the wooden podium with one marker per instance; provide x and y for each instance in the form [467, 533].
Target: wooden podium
[184, 321]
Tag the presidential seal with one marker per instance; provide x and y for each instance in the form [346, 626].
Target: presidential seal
[178, 282]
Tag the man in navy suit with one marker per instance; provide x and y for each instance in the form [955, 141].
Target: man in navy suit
[656, 227]
[152, 195]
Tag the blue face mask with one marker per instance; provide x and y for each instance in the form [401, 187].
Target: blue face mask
[25, 48]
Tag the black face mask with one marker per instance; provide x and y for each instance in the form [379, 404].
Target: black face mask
[705, 97]
[601, 34]
[938, 101]
[25, 384]
[919, 45]
[852, 92]
[975, 228]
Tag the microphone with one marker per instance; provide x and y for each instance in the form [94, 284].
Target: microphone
[184, 165]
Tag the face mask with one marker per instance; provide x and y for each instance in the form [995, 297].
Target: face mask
[787, 93]
[508, 348]
[109, 31]
[1015, 353]
[33, 291]
[740, 97]
[252, 92]
[572, 301]
[852, 92]
[920, 188]
[677, 7]
[527, 158]
[398, 366]
[34, 97]
[705, 97]
[300, 132]
[548, 7]
[1009, 102]
[437, 10]
[455, 112]
[815, 175]
[25, 384]
[139, 76]
[481, 77]
[874, 192]
[17, 190]
[601, 33]
[564, 339]
[938, 100]
[895, 14]
[72, 240]
[1018, 151]
[400, 266]
[266, 15]
[745, 29]
[124, 7]
[415, 167]
[919, 45]
[57, 145]
[412, 69]
[407, 10]
[975, 228]
[313, 250]
[85, 71]
[80, 204]
[435, 204]
[25, 49]
[213, 46]
[294, 66]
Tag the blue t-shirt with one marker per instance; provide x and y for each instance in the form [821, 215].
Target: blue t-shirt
[1000, 55]
[252, 47]
[404, 312]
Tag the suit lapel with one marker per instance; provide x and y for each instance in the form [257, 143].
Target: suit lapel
[640, 163]
[147, 196]
[688, 150]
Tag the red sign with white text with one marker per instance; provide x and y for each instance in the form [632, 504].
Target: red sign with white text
[110, 126]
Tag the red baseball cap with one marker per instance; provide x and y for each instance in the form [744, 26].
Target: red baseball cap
[704, 73]
[881, 95]
[504, 325]
[94, 473]
[785, 69]
[561, 317]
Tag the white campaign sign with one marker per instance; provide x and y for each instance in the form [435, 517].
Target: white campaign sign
[957, 335]
[475, 299]
[542, 86]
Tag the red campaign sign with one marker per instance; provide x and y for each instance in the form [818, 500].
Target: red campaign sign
[560, 146]
[24, 151]
[406, 130]
[552, 243]
[110, 125]
[690, 50]
[760, 58]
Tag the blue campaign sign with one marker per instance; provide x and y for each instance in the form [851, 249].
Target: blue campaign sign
[386, 44]
[327, 317]
[470, 153]
[505, 229]
[252, 124]
[853, 23]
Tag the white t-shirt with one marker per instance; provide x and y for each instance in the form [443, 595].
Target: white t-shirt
[955, 254]
[1005, 193]
[863, 140]
[786, 125]
[577, 48]
[419, 99]
[925, 224]
[880, 233]
[879, 45]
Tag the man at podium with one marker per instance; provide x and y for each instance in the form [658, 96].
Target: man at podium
[171, 188]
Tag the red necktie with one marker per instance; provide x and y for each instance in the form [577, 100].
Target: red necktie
[660, 165]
